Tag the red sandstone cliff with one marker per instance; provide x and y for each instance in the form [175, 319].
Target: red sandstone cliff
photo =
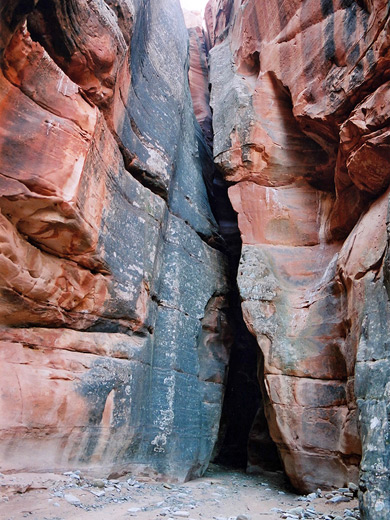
[111, 359]
[113, 311]
[198, 74]
[301, 130]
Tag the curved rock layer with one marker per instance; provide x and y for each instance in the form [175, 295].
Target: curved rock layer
[300, 100]
[112, 357]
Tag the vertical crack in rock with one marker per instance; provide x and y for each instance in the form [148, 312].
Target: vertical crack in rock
[243, 439]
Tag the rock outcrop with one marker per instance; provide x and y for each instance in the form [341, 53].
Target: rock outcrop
[300, 117]
[114, 337]
[114, 287]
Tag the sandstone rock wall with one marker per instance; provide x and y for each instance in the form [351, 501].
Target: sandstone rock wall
[114, 339]
[113, 292]
[199, 73]
[300, 117]
[243, 439]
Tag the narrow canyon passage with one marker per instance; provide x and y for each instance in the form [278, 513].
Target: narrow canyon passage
[194, 259]
[244, 441]
[241, 402]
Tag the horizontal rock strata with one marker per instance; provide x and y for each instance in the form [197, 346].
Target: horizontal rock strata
[114, 337]
[300, 117]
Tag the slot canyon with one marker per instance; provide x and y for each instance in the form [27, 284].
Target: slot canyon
[194, 231]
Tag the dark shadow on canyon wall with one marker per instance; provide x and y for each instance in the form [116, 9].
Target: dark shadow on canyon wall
[243, 440]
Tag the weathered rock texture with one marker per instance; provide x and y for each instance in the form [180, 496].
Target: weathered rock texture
[114, 339]
[113, 296]
[198, 74]
[301, 129]
[243, 439]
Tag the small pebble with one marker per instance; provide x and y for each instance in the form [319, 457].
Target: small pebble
[98, 483]
[97, 493]
[71, 499]
[339, 498]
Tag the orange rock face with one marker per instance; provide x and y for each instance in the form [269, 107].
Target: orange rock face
[198, 73]
[106, 347]
[300, 118]
[113, 299]
[41, 368]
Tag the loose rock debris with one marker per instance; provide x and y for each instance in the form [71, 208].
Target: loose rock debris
[220, 495]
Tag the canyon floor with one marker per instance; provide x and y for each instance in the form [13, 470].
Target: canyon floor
[222, 494]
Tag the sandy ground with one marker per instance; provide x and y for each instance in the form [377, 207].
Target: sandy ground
[220, 495]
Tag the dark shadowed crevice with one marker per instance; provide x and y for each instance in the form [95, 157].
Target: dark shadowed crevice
[243, 440]
[250, 65]
[242, 396]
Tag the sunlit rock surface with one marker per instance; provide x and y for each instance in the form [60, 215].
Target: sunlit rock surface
[199, 72]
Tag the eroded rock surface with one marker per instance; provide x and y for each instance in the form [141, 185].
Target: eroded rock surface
[300, 118]
[199, 73]
[114, 337]
[113, 294]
